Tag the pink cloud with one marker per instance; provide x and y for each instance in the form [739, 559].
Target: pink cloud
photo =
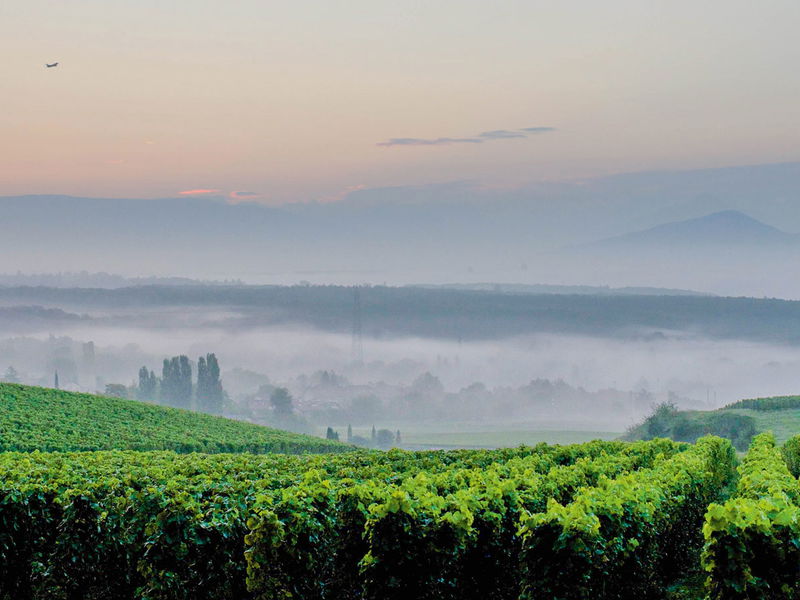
[198, 192]
[343, 193]
[239, 195]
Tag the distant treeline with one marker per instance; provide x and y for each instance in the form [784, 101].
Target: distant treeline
[773, 403]
[454, 314]
[84, 279]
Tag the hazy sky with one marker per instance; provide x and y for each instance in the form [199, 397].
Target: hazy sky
[305, 100]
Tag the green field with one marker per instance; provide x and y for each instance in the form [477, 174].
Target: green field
[783, 423]
[502, 439]
[33, 418]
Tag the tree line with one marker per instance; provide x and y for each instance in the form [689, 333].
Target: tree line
[176, 387]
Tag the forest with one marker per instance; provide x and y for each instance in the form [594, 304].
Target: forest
[443, 313]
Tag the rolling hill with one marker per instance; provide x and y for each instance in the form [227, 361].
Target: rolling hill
[33, 418]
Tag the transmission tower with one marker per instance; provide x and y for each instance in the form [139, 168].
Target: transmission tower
[357, 348]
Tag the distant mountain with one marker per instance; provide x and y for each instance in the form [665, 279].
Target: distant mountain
[729, 228]
[456, 231]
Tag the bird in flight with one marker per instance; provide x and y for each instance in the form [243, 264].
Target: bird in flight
[50, 66]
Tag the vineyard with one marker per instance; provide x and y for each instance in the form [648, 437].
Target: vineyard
[573, 522]
[600, 520]
[35, 418]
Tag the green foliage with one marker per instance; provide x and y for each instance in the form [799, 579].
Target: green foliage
[34, 418]
[384, 438]
[176, 382]
[147, 389]
[765, 404]
[688, 426]
[159, 525]
[116, 390]
[791, 455]
[595, 520]
[209, 387]
[627, 536]
[281, 401]
[752, 542]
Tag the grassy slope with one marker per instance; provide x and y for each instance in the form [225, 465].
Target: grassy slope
[783, 423]
[33, 418]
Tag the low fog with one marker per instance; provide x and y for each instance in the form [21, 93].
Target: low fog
[544, 381]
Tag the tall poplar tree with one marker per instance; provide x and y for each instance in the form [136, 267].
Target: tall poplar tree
[148, 385]
[209, 387]
[176, 382]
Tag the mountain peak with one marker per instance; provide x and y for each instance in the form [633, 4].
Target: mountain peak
[723, 228]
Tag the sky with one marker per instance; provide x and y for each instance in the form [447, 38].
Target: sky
[311, 99]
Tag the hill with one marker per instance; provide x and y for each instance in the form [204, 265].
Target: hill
[725, 228]
[738, 421]
[33, 418]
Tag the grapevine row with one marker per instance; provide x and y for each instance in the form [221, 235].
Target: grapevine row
[752, 541]
[158, 525]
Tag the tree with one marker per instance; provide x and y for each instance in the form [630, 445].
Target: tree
[209, 387]
[176, 382]
[185, 381]
[11, 375]
[349, 433]
[331, 434]
[55, 380]
[659, 424]
[148, 385]
[116, 390]
[384, 438]
[397, 439]
[167, 382]
[373, 437]
[281, 401]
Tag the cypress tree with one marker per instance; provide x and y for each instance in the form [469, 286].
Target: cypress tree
[209, 387]
[176, 382]
[167, 382]
[184, 381]
[148, 384]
